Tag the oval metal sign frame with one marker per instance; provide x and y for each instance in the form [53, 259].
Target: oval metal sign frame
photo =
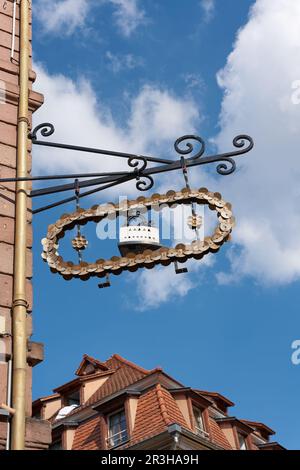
[149, 258]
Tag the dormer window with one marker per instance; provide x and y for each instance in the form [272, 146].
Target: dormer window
[73, 399]
[117, 429]
[56, 445]
[242, 442]
[199, 422]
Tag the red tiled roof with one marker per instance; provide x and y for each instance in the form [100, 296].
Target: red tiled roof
[116, 361]
[156, 407]
[87, 435]
[156, 410]
[169, 408]
[121, 372]
[89, 359]
[217, 435]
[125, 375]
[149, 419]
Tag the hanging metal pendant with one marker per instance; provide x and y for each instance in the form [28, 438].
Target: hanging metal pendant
[197, 249]
[138, 235]
[194, 222]
[79, 243]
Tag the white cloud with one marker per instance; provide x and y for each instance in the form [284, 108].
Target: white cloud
[162, 284]
[117, 62]
[128, 15]
[257, 83]
[156, 118]
[63, 16]
[208, 7]
[158, 115]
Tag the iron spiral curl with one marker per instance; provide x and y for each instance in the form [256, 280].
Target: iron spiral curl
[134, 162]
[228, 165]
[189, 146]
[145, 183]
[46, 129]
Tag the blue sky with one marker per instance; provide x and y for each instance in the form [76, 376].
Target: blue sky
[138, 80]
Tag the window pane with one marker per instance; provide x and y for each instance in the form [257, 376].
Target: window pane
[117, 431]
[199, 425]
[57, 445]
[242, 442]
[73, 398]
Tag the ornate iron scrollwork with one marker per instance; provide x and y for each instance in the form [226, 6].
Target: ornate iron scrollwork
[238, 142]
[142, 173]
[139, 164]
[46, 129]
[190, 146]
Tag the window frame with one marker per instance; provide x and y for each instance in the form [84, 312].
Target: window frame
[126, 430]
[244, 439]
[199, 431]
[56, 445]
[57, 440]
[67, 398]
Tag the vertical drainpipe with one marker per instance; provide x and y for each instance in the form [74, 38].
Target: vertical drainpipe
[19, 306]
[9, 377]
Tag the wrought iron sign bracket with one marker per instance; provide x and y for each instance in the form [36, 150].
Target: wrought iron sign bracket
[140, 170]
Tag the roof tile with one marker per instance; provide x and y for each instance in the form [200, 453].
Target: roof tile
[217, 435]
[124, 376]
[87, 435]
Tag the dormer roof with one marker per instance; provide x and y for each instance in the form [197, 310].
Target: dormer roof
[89, 365]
